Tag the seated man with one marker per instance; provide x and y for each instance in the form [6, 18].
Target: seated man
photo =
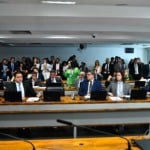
[119, 87]
[89, 85]
[80, 79]
[19, 85]
[34, 81]
[53, 78]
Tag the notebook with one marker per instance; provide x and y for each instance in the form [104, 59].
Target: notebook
[98, 95]
[12, 96]
[138, 93]
[143, 144]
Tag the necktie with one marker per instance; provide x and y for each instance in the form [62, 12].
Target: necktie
[120, 89]
[12, 67]
[90, 87]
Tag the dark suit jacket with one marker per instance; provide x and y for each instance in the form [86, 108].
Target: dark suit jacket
[145, 70]
[37, 83]
[29, 91]
[140, 68]
[15, 67]
[84, 87]
[49, 81]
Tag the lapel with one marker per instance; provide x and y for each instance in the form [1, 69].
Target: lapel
[14, 86]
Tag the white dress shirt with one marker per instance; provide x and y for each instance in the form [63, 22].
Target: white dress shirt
[20, 87]
[120, 88]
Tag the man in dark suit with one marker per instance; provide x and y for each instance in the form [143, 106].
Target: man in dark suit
[146, 71]
[12, 66]
[53, 78]
[34, 81]
[4, 70]
[106, 69]
[89, 85]
[18, 85]
[137, 69]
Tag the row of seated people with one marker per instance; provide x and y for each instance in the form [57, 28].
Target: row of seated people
[116, 87]
[70, 69]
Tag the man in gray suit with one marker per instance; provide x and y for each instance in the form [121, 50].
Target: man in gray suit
[119, 87]
[80, 79]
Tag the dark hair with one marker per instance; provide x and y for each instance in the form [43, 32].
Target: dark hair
[34, 73]
[52, 71]
[122, 74]
[18, 72]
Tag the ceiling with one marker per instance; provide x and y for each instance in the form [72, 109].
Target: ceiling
[29, 22]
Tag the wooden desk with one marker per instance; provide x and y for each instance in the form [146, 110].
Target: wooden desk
[80, 112]
[107, 143]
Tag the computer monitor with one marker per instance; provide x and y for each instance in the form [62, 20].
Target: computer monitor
[140, 93]
[57, 84]
[139, 84]
[53, 93]
[98, 95]
[12, 96]
[1, 84]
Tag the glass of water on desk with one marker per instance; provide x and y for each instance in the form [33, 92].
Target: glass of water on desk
[73, 96]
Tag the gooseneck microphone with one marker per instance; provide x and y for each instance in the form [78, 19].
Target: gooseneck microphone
[94, 130]
[17, 138]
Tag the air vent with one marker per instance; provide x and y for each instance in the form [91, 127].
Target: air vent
[21, 32]
[127, 44]
[35, 43]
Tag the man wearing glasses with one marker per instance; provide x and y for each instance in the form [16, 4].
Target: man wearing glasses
[89, 85]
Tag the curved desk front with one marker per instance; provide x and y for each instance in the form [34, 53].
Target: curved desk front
[80, 112]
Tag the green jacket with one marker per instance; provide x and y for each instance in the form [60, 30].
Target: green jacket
[71, 75]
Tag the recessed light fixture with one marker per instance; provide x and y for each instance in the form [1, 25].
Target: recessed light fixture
[59, 37]
[58, 2]
[121, 4]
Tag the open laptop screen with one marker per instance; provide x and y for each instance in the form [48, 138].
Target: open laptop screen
[12, 96]
[140, 93]
[98, 95]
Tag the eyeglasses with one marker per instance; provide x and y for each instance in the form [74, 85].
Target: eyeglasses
[89, 74]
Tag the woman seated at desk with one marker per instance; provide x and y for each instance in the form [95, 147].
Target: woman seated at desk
[119, 87]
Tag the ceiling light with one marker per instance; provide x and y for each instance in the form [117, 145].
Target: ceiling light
[59, 37]
[58, 2]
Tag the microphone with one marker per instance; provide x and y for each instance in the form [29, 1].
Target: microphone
[94, 130]
[17, 138]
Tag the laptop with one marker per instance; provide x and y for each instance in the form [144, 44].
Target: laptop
[143, 144]
[12, 96]
[51, 95]
[140, 93]
[98, 95]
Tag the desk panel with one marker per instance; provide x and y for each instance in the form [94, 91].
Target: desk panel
[36, 115]
[107, 143]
